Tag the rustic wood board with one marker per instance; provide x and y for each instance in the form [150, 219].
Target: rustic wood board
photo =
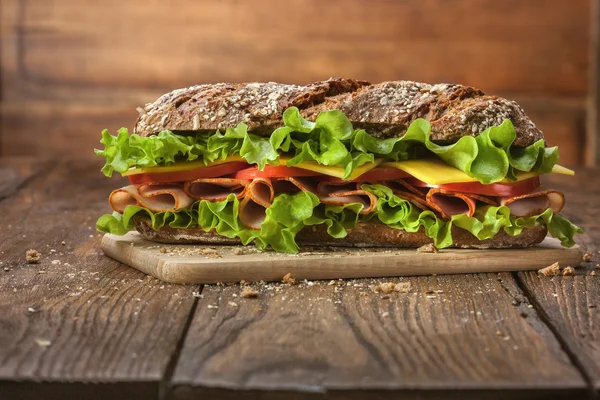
[203, 264]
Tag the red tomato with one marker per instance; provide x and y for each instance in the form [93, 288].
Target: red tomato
[280, 171]
[493, 189]
[190, 175]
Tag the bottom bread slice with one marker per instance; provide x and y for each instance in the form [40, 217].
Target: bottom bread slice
[366, 234]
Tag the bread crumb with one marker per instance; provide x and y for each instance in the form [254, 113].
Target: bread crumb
[33, 256]
[289, 279]
[55, 262]
[389, 287]
[43, 342]
[428, 248]
[551, 270]
[232, 304]
[195, 294]
[248, 292]
[385, 314]
[568, 271]
[242, 282]
[587, 256]
[386, 287]
[210, 253]
[403, 287]
[364, 294]
[593, 273]
[163, 250]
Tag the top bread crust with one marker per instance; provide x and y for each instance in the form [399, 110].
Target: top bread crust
[384, 109]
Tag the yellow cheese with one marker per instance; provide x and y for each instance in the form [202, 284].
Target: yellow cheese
[437, 172]
[181, 166]
[338, 172]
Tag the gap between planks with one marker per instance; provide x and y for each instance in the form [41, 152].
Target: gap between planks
[546, 320]
[163, 387]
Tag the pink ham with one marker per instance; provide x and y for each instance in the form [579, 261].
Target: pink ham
[448, 203]
[535, 202]
[159, 197]
[343, 193]
[215, 189]
[258, 197]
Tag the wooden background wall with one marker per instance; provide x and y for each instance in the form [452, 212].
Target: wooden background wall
[70, 68]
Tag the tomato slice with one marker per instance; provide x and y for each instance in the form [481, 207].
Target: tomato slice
[493, 189]
[190, 175]
[270, 171]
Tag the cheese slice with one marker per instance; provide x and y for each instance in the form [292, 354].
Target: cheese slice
[330, 170]
[432, 171]
[437, 172]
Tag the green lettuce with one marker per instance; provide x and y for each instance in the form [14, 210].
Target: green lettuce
[289, 213]
[331, 140]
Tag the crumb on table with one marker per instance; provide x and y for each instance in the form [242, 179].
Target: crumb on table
[248, 292]
[551, 270]
[289, 279]
[587, 257]
[428, 248]
[33, 256]
[389, 287]
[568, 271]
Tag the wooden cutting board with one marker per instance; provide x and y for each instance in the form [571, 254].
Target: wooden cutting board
[212, 264]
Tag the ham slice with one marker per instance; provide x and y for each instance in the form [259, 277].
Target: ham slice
[401, 186]
[535, 202]
[448, 203]
[215, 189]
[157, 197]
[342, 193]
[259, 196]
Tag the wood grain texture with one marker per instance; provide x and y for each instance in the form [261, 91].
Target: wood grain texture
[453, 333]
[70, 69]
[545, 52]
[572, 304]
[188, 264]
[78, 316]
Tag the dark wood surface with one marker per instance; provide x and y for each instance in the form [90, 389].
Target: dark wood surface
[86, 326]
[69, 69]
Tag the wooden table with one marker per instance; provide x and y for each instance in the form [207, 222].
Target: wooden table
[80, 325]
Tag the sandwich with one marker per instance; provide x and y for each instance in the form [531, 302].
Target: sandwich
[340, 162]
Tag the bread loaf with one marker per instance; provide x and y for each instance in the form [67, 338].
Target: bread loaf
[383, 110]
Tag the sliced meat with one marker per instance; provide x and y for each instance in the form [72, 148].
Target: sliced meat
[448, 203]
[215, 189]
[258, 197]
[535, 202]
[342, 193]
[401, 186]
[158, 197]
[416, 200]
[261, 191]
[252, 214]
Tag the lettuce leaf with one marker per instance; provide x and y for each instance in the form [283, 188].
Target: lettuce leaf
[289, 213]
[331, 140]
[124, 151]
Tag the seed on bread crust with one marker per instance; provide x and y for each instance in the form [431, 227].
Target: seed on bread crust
[384, 110]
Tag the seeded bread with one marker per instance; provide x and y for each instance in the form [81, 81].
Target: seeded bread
[366, 234]
[383, 110]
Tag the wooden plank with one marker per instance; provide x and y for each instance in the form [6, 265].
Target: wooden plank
[192, 264]
[592, 150]
[53, 129]
[571, 304]
[116, 44]
[78, 316]
[451, 334]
